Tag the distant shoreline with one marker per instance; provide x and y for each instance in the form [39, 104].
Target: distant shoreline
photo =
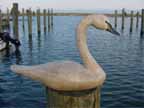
[81, 14]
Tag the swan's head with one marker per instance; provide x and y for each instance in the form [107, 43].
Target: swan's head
[102, 22]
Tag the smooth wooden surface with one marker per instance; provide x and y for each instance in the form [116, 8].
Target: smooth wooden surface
[79, 99]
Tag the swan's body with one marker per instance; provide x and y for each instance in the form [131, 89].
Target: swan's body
[69, 75]
[63, 75]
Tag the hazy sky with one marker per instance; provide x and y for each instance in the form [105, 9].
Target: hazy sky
[75, 4]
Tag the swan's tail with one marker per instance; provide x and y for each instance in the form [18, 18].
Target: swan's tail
[27, 71]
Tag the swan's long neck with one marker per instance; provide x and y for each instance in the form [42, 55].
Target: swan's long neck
[85, 54]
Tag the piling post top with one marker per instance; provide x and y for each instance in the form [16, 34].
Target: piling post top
[14, 9]
[29, 12]
[116, 13]
[44, 10]
[51, 9]
[142, 11]
[48, 10]
[15, 6]
[23, 10]
[38, 10]
[123, 10]
[132, 12]
[137, 13]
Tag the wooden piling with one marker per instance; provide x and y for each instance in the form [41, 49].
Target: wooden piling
[23, 18]
[115, 18]
[77, 99]
[131, 22]
[8, 18]
[0, 22]
[29, 16]
[142, 22]
[137, 19]
[123, 15]
[15, 13]
[51, 18]
[49, 21]
[44, 20]
[38, 21]
[33, 13]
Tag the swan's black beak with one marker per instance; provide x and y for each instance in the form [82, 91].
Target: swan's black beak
[111, 29]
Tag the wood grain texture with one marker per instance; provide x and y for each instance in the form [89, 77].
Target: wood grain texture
[79, 99]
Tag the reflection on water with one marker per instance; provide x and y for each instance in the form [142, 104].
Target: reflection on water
[122, 58]
[9, 53]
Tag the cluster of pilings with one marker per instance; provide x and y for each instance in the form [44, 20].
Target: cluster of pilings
[47, 20]
[28, 14]
[4, 21]
[131, 15]
[47, 16]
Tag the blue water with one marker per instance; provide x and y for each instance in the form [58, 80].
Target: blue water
[122, 58]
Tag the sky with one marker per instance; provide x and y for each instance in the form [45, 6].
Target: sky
[74, 4]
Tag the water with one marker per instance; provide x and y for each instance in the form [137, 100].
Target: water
[122, 58]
